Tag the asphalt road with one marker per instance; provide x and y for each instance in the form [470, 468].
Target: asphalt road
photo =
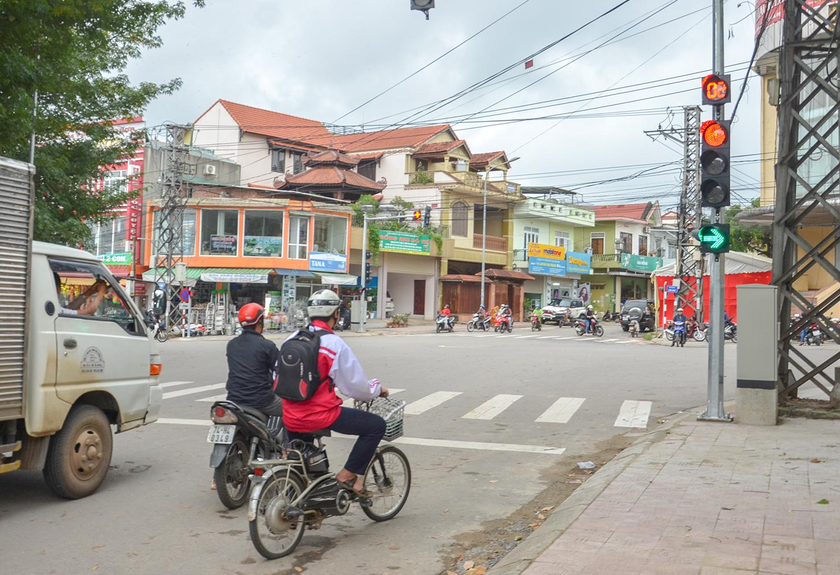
[535, 404]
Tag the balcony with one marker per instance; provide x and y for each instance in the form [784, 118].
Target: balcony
[493, 243]
[470, 180]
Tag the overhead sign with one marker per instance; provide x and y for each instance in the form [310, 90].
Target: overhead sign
[578, 263]
[122, 259]
[402, 242]
[714, 238]
[327, 262]
[640, 263]
[221, 245]
[546, 251]
[242, 277]
[546, 266]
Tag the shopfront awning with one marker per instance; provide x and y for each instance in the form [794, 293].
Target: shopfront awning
[296, 273]
[339, 279]
[235, 275]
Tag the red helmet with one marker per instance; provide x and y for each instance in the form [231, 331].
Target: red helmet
[251, 314]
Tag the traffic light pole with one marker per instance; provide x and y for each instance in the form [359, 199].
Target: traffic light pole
[364, 275]
[714, 404]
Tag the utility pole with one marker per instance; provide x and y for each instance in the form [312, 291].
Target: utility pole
[714, 403]
[364, 272]
[484, 236]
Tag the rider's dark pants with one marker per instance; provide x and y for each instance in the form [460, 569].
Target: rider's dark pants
[274, 408]
[368, 426]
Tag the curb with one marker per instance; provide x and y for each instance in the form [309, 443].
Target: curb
[524, 554]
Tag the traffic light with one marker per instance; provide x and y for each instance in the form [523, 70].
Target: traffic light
[714, 238]
[716, 90]
[714, 164]
[427, 217]
[367, 274]
[417, 215]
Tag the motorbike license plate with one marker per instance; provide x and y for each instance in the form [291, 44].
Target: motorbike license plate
[816, 333]
[221, 434]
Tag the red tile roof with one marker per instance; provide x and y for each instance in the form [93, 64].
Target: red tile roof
[272, 124]
[296, 146]
[386, 139]
[331, 157]
[484, 158]
[505, 275]
[368, 156]
[331, 177]
[635, 212]
[462, 278]
[439, 148]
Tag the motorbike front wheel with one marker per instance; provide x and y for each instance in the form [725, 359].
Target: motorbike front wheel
[699, 335]
[471, 326]
[598, 331]
[669, 335]
[160, 335]
[437, 328]
[231, 476]
[273, 534]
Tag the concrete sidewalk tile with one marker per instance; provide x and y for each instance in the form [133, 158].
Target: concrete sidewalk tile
[728, 561]
[827, 552]
[788, 548]
[672, 552]
[540, 568]
[655, 567]
[827, 570]
[786, 566]
[724, 571]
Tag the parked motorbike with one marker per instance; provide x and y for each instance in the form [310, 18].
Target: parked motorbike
[615, 316]
[814, 335]
[730, 332]
[444, 322]
[696, 329]
[476, 323]
[536, 323]
[241, 436]
[157, 327]
[595, 327]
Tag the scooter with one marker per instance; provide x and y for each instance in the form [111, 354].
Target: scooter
[476, 323]
[536, 323]
[595, 327]
[679, 335]
[814, 335]
[444, 322]
[504, 323]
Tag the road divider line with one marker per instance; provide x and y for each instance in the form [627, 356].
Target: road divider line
[214, 398]
[430, 401]
[193, 390]
[173, 383]
[561, 411]
[633, 414]
[493, 407]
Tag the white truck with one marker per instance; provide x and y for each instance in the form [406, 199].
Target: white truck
[76, 356]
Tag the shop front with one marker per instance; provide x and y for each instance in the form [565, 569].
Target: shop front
[408, 275]
[557, 274]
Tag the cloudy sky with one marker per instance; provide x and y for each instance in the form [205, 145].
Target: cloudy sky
[615, 78]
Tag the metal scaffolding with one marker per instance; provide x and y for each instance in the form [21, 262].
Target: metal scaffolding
[809, 126]
[689, 261]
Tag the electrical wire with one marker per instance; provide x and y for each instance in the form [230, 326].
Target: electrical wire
[770, 5]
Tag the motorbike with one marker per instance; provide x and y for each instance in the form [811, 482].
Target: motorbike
[158, 328]
[595, 327]
[814, 335]
[564, 320]
[476, 323]
[444, 322]
[504, 323]
[536, 323]
[679, 335]
[696, 329]
[343, 322]
[615, 316]
[241, 436]
[297, 492]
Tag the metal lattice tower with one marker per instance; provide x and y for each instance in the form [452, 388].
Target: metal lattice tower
[689, 262]
[169, 245]
[809, 126]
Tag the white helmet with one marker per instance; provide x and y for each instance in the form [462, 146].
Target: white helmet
[589, 307]
[322, 304]
[679, 310]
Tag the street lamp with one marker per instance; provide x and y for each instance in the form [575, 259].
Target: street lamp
[484, 229]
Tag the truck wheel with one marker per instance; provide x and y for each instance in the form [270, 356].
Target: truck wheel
[79, 454]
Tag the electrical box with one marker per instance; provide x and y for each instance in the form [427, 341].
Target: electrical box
[758, 355]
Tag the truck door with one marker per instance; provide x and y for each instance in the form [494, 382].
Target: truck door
[101, 344]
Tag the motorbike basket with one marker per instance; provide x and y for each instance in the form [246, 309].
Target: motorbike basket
[391, 410]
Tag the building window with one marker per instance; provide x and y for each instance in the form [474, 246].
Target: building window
[115, 182]
[532, 235]
[263, 234]
[219, 232]
[643, 245]
[368, 169]
[187, 243]
[330, 235]
[460, 217]
[110, 237]
[298, 237]
[563, 239]
[596, 242]
[297, 162]
[625, 242]
[278, 161]
[422, 165]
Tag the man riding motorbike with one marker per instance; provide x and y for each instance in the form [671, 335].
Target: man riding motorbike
[588, 317]
[342, 371]
[537, 313]
[482, 315]
[679, 316]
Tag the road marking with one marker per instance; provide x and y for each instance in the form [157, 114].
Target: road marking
[430, 401]
[193, 390]
[633, 414]
[173, 383]
[348, 402]
[561, 411]
[562, 338]
[606, 340]
[525, 336]
[547, 337]
[447, 443]
[214, 399]
[493, 407]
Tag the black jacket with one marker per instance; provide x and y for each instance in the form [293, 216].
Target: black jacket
[251, 361]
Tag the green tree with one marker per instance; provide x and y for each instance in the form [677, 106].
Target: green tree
[73, 54]
[749, 238]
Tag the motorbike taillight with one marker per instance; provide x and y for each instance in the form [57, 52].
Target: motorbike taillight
[222, 415]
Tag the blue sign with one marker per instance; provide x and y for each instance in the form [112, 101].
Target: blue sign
[672, 289]
[546, 266]
[327, 262]
[579, 263]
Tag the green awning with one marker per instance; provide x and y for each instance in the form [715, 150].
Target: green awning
[192, 274]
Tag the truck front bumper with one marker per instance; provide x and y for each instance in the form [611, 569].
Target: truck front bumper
[155, 400]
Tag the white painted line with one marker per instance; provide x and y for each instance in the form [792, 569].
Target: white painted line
[562, 338]
[173, 383]
[606, 340]
[547, 337]
[430, 401]
[349, 401]
[493, 407]
[525, 336]
[214, 398]
[562, 410]
[633, 414]
[446, 443]
[193, 390]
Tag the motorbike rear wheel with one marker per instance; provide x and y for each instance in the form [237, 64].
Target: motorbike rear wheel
[273, 534]
[231, 475]
[699, 334]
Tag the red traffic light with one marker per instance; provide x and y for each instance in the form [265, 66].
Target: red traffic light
[714, 133]
[417, 215]
[716, 89]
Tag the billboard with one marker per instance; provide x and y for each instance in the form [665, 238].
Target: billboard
[403, 242]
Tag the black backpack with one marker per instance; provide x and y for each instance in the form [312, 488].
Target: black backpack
[297, 376]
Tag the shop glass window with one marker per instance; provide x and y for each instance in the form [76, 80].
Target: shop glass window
[219, 232]
[263, 234]
[187, 242]
[109, 237]
[298, 237]
[460, 216]
[563, 239]
[297, 162]
[330, 235]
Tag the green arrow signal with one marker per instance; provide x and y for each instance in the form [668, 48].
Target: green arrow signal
[713, 237]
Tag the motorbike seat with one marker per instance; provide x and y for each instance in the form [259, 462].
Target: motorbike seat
[254, 413]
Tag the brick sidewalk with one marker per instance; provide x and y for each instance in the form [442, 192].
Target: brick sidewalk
[714, 499]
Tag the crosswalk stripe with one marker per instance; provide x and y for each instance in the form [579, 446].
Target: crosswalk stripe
[493, 407]
[633, 414]
[525, 336]
[606, 340]
[430, 401]
[546, 337]
[561, 411]
[173, 383]
[193, 390]
[214, 398]
[562, 338]
[348, 402]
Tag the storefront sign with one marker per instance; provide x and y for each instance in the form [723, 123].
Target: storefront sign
[327, 262]
[546, 266]
[579, 263]
[242, 277]
[403, 242]
[546, 251]
[261, 246]
[111, 260]
[289, 288]
[640, 263]
[222, 245]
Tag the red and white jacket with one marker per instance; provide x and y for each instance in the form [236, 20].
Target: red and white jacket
[338, 362]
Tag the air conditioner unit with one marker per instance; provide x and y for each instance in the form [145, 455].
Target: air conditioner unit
[209, 170]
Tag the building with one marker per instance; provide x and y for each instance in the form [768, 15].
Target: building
[622, 255]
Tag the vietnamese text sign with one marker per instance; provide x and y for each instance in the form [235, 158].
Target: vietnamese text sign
[546, 266]
[578, 263]
[222, 245]
[546, 251]
[403, 242]
[243, 277]
[262, 246]
[327, 262]
[672, 289]
[124, 259]
[640, 263]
